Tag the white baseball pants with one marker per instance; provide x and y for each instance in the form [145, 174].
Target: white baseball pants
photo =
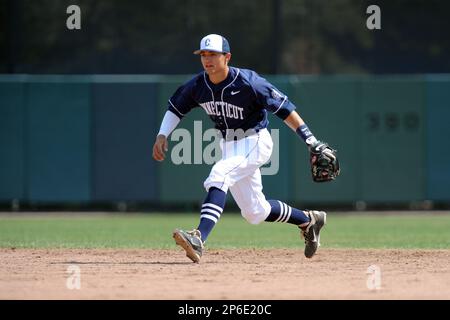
[238, 170]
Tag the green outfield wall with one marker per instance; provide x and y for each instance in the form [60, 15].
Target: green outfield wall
[88, 139]
[437, 151]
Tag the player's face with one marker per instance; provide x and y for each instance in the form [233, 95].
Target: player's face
[214, 62]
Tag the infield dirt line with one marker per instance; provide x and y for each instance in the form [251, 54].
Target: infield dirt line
[224, 274]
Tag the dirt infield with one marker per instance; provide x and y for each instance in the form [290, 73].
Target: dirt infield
[224, 274]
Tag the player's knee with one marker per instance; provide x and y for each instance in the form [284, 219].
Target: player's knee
[251, 218]
[254, 216]
[256, 212]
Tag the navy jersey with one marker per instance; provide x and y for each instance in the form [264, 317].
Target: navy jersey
[241, 101]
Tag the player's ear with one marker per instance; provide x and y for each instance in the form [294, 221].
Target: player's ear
[227, 57]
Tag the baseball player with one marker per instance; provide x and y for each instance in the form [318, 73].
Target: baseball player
[238, 102]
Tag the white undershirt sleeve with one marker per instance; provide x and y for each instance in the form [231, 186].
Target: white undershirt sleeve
[169, 123]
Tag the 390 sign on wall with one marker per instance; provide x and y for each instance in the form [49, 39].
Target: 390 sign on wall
[392, 122]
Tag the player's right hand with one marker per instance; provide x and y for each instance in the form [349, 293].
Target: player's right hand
[160, 148]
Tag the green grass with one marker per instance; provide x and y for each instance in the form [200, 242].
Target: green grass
[154, 231]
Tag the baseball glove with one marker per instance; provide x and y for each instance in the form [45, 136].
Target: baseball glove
[324, 162]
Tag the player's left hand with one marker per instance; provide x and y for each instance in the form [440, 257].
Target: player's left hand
[160, 148]
[324, 162]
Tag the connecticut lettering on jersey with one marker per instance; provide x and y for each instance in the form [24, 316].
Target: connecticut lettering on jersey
[220, 108]
[241, 101]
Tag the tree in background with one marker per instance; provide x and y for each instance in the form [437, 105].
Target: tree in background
[271, 36]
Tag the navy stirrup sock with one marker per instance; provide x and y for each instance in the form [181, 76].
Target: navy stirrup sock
[281, 212]
[211, 210]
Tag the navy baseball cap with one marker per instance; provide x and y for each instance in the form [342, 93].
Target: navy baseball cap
[214, 42]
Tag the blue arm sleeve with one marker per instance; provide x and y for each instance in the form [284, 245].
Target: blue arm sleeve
[272, 99]
[181, 101]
